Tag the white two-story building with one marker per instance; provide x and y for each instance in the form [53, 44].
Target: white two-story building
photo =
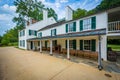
[85, 36]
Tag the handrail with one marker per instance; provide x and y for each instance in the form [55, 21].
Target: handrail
[114, 26]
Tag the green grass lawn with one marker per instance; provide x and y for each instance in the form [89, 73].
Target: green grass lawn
[114, 47]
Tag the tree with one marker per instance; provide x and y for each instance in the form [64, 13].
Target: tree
[107, 4]
[0, 39]
[79, 13]
[51, 12]
[33, 9]
[27, 9]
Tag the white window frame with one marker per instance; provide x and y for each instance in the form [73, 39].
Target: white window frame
[70, 27]
[71, 44]
[39, 34]
[87, 45]
[87, 24]
[53, 32]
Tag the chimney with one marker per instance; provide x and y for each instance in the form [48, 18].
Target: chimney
[29, 22]
[45, 14]
[68, 13]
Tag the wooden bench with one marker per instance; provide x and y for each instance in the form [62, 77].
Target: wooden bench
[64, 51]
[94, 55]
[72, 52]
[80, 53]
[86, 54]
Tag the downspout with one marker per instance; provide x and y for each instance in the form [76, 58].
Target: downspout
[100, 67]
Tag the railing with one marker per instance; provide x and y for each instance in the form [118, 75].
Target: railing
[114, 26]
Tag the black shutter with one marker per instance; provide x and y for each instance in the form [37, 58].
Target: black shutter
[81, 44]
[66, 28]
[45, 44]
[66, 44]
[55, 31]
[55, 42]
[93, 25]
[74, 26]
[74, 44]
[81, 25]
[93, 45]
[51, 32]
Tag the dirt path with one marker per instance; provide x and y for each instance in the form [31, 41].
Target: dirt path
[16, 64]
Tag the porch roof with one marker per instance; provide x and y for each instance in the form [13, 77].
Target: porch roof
[76, 34]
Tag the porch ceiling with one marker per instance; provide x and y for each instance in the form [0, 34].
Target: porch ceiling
[114, 15]
[76, 34]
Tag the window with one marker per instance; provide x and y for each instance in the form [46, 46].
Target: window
[87, 44]
[71, 44]
[33, 32]
[22, 33]
[71, 27]
[87, 24]
[53, 32]
[54, 42]
[22, 43]
[40, 35]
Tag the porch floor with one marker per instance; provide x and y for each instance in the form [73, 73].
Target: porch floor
[107, 66]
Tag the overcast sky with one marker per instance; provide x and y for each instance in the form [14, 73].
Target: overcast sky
[7, 9]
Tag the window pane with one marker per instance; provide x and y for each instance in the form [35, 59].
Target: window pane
[87, 45]
[87, 24]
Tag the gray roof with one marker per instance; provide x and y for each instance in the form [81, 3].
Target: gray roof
[76, 34]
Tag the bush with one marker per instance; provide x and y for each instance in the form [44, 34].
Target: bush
[13, 44]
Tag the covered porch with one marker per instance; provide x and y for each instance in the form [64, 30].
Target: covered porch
[76, 44]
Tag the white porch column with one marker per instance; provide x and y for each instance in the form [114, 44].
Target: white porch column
[51, 47]
[40, 46]
[68, 52]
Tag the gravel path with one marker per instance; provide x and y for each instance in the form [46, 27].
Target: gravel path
[16, 64]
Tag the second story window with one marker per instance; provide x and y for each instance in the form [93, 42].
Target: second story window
[53, 32]
[71, 27]
[22, 33]
[40, 35]
[87, 24]
[32, 32]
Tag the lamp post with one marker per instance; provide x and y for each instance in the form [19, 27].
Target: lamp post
[100, 67]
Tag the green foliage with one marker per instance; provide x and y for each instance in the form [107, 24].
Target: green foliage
[104, 5]
[11, 36]
[30, 9]
[51, 12]
[114, 47]
[0, 39]
[107, 4]
[79, 13]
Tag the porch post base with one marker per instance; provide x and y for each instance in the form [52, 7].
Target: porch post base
[40, 52]
[68, 58]
[51, 54]
[100, 67]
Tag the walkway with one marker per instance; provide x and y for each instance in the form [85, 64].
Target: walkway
[16, 64]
